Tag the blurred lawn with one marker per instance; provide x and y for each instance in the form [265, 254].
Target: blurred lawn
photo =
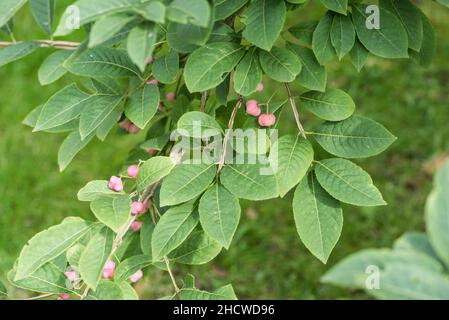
[266, 259]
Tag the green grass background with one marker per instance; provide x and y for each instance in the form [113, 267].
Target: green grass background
[266, 259]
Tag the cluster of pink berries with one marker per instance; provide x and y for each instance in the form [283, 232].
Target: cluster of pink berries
[109, 271]
[253, 109]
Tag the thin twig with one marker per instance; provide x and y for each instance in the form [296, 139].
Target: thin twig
[167, 263]
[228, 133]
[295, 111]
[203, 101]
[67, 45]
[42, 296]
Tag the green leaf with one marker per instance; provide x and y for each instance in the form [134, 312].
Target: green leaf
[153, 11]
[303, 31]
[94, 257]
[152, 171]
[95, 190]
[49, 244]
[342, 35]
[355, 137]
[97, 109]
[410, 17]
[46, 279]
[280, 64]
[225, 8]
[359, 55]
[187, 37]
[16, 52]
[43, 12]
[250, 181]
[197, 249]
[195, 12]
[106, 27]
[70, 147]
[198, 125]
[8, 8]
[332, 105]
[186, 182]
[146, 233]
[109, 122]
[223, 293]
[222, 33]
[416, 242]
[313, 76]
[112, 211]
[140, 45]
[428, 48]
[321, 42]
[347, 182]
[207, 66]
[64, 106]
[142, 105]
[106, 290]
[340, 6]
[293, 159]
[390, 41]
[128, 291]
[219, 214]
[73, 255]
[102, 62]
[165, 69]
[318, 218]
[90, 10]
[173, 228]
[156, 143]
[130, 266]
[248, 74]
[52, 68]
[3, 291]
[264, 20]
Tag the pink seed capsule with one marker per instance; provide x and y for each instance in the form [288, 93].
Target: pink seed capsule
[109, 269]
[116, 184]
[171, 96]
[150, 60]
[110, 264]
[133, 171]
[151, 152]
[137, 207]
[136, 225]
[64, 296]
[136, 276]
[133, 129]
[267, 120]
[260, 87]
[153, 82]
[125, 124]
[252, 108]
[72, 276]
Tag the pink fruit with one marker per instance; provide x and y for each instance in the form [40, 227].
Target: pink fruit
[133, 171]
[109, 269]
[133, 129]
[125, 124]
[171, 96]
[72, 276]
[110, 264]
[252, 108]
[153, 82]
[150, 151]
[116, 184]
[260, 87]
[267, 119]
[136, 225]
[64, 296]
[136, 276]
[150, 60]
[137, 207]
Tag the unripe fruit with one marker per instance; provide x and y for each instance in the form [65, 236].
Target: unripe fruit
[133, 171]
[137, 207]
[153, 82]
[260, 87]
[171, 96]
[136, 276]
[267, 120]
[252, 108]
[136, 225]
[64, 296]
[133, 129]
[72, 276]
[116, 184]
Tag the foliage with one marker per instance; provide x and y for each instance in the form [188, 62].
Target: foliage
[416, 267]
[196, 48]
